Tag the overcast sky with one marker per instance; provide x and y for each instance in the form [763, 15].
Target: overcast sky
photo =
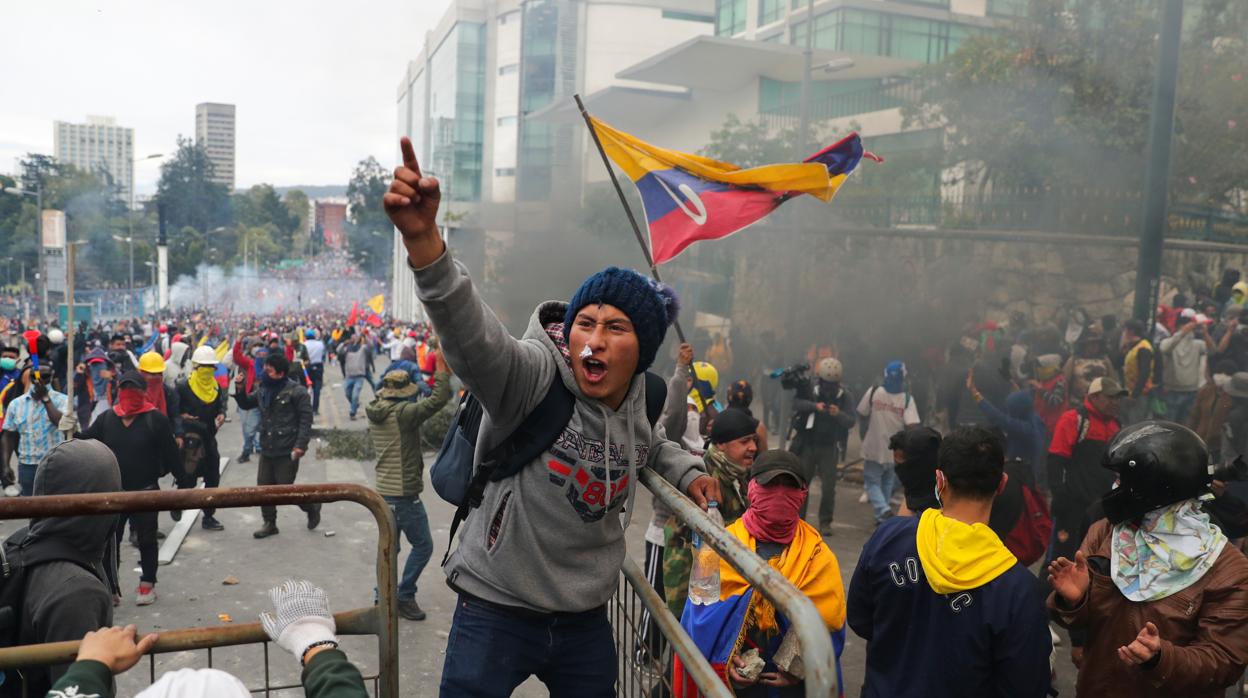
[313, 81]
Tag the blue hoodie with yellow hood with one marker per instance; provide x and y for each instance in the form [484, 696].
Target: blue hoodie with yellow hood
[946, 610]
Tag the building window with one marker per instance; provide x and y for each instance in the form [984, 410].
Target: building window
[729, 17]
[1007, 8]
[504, 172]
[688, 16]
[770, 11]
[509, 69]
[509, 17]
[506, 121]
[881, 34]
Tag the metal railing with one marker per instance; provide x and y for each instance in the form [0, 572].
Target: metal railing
[646, 664]
[380, 620]
[818, 655]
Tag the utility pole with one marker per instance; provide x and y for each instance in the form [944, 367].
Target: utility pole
[162, 261]
[1160, 140]
[43, 267]
[803, 127]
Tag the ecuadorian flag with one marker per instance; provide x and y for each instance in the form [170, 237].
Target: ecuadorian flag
[720, 629]
[688, 198]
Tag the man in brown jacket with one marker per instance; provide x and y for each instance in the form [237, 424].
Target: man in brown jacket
[1162, 596]
[1208, 414]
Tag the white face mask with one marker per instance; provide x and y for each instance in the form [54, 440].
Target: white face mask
[692, 438]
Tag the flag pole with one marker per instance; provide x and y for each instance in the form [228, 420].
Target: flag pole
[641, 241]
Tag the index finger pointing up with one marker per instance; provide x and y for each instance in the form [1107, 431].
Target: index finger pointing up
[409, 155]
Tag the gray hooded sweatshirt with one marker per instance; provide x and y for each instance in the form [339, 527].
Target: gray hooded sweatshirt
[63, 600]
[550, 538]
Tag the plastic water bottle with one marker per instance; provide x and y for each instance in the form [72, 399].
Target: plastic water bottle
[704, 577]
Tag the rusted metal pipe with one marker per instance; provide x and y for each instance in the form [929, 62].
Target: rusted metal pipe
[385, 617]
[817, 653]
[361, 621]
[709, 683]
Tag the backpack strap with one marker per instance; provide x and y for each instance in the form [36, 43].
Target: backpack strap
[1084, 423]
[656, 395]
[535, 434]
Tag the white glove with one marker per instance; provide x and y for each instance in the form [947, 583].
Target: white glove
[69, 422]
[303, 617]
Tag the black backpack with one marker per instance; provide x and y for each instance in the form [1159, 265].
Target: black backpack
[19, 554]
[452, 474]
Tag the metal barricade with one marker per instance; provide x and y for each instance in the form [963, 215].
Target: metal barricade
[816, 643]
[379, 620]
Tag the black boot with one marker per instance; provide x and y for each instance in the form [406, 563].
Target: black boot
[314, 517]
[210, 523]
[268, 529]
[176, 515]
[410, 610]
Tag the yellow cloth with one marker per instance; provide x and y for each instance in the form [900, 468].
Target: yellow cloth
[637, 158]
[222, 349]
[956, 556]
[807, 562]
[377, 303]
[1131, 367]
[204, 384]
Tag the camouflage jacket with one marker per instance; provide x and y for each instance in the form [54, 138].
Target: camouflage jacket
[677, 550]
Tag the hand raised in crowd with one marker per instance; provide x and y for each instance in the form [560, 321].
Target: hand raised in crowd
[1145, 646]
[1070, 579]
[115, 647]
[412, 204]
[685, 356]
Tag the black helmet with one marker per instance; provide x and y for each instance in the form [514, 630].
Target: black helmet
[1158, 463]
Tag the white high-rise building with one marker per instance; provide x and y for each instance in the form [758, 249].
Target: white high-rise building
[214, 129]
[99, 145]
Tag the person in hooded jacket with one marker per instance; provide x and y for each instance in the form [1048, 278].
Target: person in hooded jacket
[203, 405]
[66, 598]
[1025, 435]
[945, 608]
[540, 558]
[1161, 596]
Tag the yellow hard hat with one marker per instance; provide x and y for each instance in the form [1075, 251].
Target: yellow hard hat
[151, 362]
[706, 375]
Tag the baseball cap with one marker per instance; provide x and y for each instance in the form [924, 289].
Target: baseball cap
[1107, 386]
[774, 463]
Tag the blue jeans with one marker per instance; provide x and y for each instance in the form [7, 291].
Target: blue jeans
[1179, 405]
[26, 477]
[354, 386]
[410, 517]
[879, 479]
[491, 651]
[250, 419]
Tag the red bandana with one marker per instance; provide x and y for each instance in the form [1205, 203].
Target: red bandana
[132, 402]
[774, 512]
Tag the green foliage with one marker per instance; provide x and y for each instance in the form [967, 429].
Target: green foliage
[370, 234]
[1062, 99]
[186, 193]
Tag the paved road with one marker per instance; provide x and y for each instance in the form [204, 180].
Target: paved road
[192, 593]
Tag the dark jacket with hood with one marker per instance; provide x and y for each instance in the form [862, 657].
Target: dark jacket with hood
[1076, 477]
[824, 429]
[64, 600]
[1025, 434]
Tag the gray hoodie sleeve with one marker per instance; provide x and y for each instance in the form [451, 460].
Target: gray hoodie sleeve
[507, 375]
[675, 464]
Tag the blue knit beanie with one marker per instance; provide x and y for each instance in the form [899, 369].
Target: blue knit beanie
[649, 305]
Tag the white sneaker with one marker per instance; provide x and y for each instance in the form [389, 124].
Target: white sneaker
[146, 595]
[12, 491]
[1057, 639]
[862, 498]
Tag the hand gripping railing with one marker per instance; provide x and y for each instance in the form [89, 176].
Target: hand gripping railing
[380, 620]
[816, 642]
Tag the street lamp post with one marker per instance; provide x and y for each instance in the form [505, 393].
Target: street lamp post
[129, 240]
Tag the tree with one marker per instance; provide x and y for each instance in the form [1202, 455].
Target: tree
[260, 206]
[298, 205]
[370, 235]
[1063, 98]
[187, 194]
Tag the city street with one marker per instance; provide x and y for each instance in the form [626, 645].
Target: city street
[340, 556]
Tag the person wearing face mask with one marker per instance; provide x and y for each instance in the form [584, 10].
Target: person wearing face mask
[30, 427]
[251, 367]
[745, 620]
[823, 414]
[203, 405]
[1159, 593]
[887, 408]
[945, 608]
[141, 437]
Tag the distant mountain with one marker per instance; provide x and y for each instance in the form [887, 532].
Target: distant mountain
[315, 191]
